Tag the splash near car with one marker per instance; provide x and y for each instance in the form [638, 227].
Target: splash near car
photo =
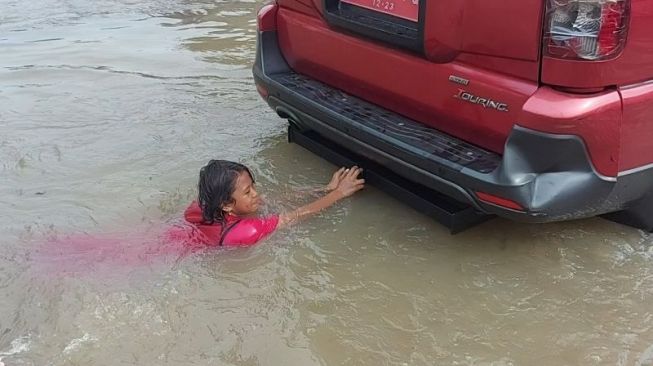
[545, 116]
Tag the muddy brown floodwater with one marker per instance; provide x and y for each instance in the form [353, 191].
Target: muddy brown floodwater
[108, 109]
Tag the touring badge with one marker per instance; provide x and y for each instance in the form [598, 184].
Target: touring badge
[485, 102]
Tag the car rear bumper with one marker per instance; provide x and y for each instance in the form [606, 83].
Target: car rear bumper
[540, 177]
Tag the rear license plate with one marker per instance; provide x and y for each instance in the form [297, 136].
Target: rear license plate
[406, 9]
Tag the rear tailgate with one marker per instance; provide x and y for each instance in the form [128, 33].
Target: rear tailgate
[463, 67]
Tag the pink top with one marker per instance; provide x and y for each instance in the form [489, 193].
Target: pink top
[246, 230]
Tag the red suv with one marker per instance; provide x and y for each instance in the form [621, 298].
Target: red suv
[534, 110]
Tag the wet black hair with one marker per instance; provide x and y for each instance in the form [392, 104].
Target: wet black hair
[216, 187]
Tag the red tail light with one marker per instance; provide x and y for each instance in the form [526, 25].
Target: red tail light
[586, 29]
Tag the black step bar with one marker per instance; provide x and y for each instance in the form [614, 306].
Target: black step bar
[455, 215]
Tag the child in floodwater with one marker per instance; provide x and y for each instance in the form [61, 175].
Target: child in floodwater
[225, 212]
[223, 215]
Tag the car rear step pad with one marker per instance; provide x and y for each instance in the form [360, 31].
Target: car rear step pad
[454, 215]
[427, 145]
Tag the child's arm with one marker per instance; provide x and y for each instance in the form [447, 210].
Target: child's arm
[346, 183]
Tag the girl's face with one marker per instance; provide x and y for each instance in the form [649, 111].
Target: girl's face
[246, 200]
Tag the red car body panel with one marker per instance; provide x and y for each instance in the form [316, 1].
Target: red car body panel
[488, 30]
[408, 85]
[564, 113]
[489, 40]
[301, 6]
[636, 129]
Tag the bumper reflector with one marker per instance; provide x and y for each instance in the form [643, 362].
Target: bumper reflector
[498, 201]
[263, 91]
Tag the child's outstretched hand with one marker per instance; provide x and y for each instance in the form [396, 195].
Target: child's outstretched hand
[335, 180]
[349, 182]
[344, 183]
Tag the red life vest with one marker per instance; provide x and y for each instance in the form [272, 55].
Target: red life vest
[237, 230]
